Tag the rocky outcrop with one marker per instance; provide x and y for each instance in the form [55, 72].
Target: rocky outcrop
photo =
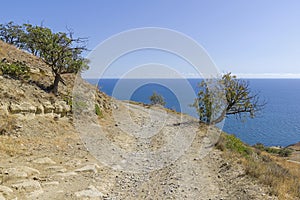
[23, 108]
[59, 108]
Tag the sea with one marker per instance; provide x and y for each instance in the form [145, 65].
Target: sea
[278, 124]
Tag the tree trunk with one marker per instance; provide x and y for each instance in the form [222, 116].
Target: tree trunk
[220, 118]
[55, 84]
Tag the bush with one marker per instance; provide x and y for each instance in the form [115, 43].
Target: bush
[259, 146]
[16, 70]
[235, 144]
[285, 152]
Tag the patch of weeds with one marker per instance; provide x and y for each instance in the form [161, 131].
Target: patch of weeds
[98, 111]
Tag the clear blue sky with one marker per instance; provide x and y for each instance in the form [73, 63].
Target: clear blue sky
[245, 37]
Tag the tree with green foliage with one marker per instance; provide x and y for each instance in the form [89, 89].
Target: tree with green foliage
[61, 51]
[219, 98]
[157, 99]
[11, 33]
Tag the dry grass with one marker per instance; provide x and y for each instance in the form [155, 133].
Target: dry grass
[10, 146]
[280, 175]
[7, 124]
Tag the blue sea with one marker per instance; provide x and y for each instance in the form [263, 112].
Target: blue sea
[277, 125]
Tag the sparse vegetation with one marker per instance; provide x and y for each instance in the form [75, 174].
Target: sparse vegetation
[276, 173]
[283, 152]
[157, 99]
[68, 99]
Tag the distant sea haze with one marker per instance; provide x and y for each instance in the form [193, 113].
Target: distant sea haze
[277, 125]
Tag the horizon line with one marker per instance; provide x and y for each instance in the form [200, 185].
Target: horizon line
[239, 75]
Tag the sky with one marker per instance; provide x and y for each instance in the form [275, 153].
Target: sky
[258, 38]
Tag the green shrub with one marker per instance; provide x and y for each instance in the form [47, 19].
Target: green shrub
[98, 111]
[285, 152]
[235, 144]
[259, 146]
[16, 70]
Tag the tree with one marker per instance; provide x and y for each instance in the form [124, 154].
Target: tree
[11, 33]
[219, 98]
[59, 50]
[157, 99]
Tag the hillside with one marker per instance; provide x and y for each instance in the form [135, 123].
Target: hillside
[43, 156]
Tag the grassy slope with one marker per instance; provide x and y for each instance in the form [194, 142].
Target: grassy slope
[280, 175]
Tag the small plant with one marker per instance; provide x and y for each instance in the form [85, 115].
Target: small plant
[68, 99]
[157, 99]
[98, 111]
[16, 70]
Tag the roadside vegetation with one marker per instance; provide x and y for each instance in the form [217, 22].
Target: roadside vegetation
[224, 96]
[281, 176]
[283, 152]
